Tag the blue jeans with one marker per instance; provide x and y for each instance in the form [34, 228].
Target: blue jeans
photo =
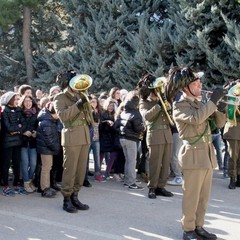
[218, 144]
[29, 162]
[174, 164]
[95, 147]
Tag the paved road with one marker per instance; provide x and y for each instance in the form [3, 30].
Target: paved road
[115, 213]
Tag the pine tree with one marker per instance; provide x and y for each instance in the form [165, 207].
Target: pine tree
[46, 29]
[206, 37]
[103, 43]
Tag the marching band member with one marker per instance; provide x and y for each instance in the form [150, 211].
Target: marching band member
[231, 134]
[75, 113]
[159, 137]
[197, 157]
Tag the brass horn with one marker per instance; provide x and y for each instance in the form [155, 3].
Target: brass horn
[81, 82]
[158, 85]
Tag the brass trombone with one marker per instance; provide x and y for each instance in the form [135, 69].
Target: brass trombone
[158, 85]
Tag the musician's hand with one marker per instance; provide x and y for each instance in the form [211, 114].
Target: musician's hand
[221, 106]
[217, 94]
[81, 101]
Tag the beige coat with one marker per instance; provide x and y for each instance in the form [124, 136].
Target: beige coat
[66, 108]
[191, 119]
[158, 132]
[231, 132]
[75, 140]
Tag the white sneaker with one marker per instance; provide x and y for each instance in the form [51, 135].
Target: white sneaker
[117, 178]
[27, 187]
[177, 181]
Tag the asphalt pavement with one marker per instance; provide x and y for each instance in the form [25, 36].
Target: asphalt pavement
[116, 213]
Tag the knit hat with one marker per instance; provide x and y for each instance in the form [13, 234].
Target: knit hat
[52, 89]
[6, 97]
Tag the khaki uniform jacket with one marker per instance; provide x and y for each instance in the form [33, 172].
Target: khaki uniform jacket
[158, 127]
[66, 108]
[231, 132]
[191, 119]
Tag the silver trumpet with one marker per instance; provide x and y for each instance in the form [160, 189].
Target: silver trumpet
[230, 99]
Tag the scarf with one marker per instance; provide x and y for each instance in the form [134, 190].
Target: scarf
[29, 112]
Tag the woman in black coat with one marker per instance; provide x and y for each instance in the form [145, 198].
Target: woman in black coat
[108, 135]
[12, 125]
[28, 149]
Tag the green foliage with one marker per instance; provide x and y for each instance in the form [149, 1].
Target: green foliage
[117, 41]
[32, 3]
[207, 37]
[104, 41]
[10, 12]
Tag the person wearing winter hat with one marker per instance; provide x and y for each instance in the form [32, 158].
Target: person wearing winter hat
[54, 90]
[12, 127]
[196, 156]
[75, 113]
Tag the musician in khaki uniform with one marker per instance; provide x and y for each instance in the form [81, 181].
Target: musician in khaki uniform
[74, 111]
[197, 157]
[158, 138]
[232, 134]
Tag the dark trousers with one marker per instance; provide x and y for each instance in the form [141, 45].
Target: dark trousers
[11, 153]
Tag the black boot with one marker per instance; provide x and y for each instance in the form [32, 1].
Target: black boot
[68, 206]
[238, 181]
[76, 203]
[151, 193]
[232, 184]
[53, 182]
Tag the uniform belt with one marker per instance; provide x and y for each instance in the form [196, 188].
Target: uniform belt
[198, 139]
[160, 126]
[78, 122]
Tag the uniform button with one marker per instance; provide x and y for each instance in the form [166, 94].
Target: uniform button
[195, 147]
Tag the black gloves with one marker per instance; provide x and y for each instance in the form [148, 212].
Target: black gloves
[81, 101]
[217, 94]
[221, 106]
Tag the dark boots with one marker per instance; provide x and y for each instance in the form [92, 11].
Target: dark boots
[238, 181]
[53, 182]
[232, 184]
[68, 206]
[77, 204]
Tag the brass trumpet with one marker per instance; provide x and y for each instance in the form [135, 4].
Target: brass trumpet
[158, 84]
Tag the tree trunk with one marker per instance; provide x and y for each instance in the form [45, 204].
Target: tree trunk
[27, 43]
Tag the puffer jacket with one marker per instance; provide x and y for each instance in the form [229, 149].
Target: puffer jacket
[48, 142]
[12, 122]
[31, 123]
[131, 121]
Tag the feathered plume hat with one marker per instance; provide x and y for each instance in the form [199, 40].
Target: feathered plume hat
[178, 79]
[143, 85]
